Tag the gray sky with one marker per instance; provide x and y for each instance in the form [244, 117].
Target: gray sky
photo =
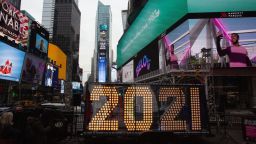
[87, 31]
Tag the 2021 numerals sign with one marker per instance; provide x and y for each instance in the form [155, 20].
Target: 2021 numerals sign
[168, 121]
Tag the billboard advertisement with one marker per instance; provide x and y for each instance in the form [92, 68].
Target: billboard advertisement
[175, 47]
[33, 69]
[146, 61]
[227, 41]
[76, 86]
[39, 39]
[128, 72]
[102, 68]
[41, 44]
[230, 41]
[56, 54]
[51, 76]
[13, 23]
[103, 27]
[11, 61]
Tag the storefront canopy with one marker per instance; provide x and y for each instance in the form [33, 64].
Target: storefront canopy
[158, 15]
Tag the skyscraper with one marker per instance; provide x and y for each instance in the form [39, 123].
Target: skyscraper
[62, 19]
[15, 3]
[103, 44]
[48, 16]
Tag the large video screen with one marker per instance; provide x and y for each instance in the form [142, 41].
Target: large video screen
[41, 44]
[51, 76]
[33, 69]
[11, 61]
[146, 60]
[231, 41]
[146, 108]
[102, 66]
[76, 85]
[221, 42]
[174, 48]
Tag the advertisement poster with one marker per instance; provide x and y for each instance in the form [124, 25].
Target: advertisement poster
[51, 76]
[147, 60]
[33, 69]
[41, 44]
[13, 23]
[127, 72]
[249, 129]
[102, 69]
[11, 61]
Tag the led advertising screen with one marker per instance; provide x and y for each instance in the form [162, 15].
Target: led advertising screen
[103, 27]
[39, 39]
[13, 23]
[33, 69]
[62, 83]
[143, 108]
[223, 42]
[11, 61]
[128, 72]
[51, 76]
[56, 54]
[41, 44]
[76, 86]
[102, 68]
[249, 129]
[235, 44]
[175, 47]
[146, 61]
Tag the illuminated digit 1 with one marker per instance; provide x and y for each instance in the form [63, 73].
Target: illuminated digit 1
[168, 122]
[195, 109]
[99, 121]
[129, 119]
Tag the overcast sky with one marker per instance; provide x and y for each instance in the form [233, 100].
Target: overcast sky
[87, 31]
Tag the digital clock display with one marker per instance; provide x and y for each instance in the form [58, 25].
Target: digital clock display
[143, 108]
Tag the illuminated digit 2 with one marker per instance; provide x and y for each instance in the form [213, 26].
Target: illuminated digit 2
[99, 121]
[129, 115]
[195, 109]
[168, 122]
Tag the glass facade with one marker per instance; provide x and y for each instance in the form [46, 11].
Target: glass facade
[48, 15]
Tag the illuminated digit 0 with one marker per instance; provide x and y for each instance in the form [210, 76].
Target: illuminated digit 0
[195, 109]
[99, 121]
[129, 115]
[168, 122]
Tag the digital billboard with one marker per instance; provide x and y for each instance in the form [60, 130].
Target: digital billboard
[102, 68]
[103, 27]
[51, 76]
[13, 23]
[56, 54]
[11, 61]
[230, 41]
[76, 86]
[249, 128]
[62, 87]
[33, 69]
[128, 72]
[143, 108]
[41, 44]
[227, 41]
[146, 61]
[174, 48]
[39, 38]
